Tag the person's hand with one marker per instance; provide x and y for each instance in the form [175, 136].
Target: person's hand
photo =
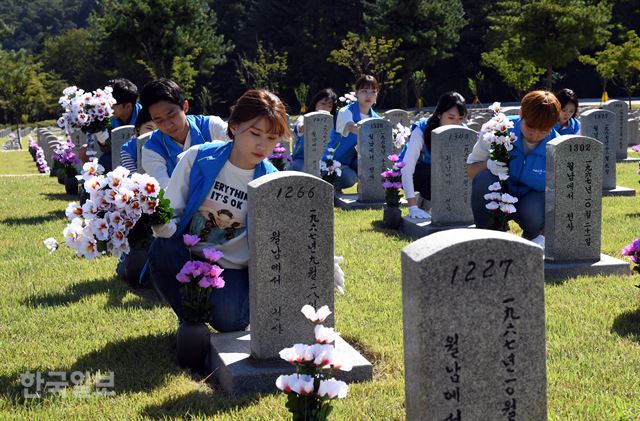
[164, 230]
[497, 167]
[338, 274]
[416, 213]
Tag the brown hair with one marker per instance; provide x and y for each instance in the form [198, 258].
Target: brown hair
[366, 81]
[540, 110]
[260, 103]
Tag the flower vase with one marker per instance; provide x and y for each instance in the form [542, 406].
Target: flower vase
[133, 264]
[71, 185]
[392, 217]
[192, 345]
[62, 175]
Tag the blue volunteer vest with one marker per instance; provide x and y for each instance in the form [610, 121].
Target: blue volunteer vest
[131, 147]
[132, 120]
[527, 172]
[169, 149]
[206, 167]
[298, 145]
[425, 156]
[345, 151]
[572, 128]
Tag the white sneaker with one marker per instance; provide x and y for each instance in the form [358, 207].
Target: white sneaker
[539, 240]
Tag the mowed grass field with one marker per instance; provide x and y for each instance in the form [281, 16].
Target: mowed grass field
[61, 313]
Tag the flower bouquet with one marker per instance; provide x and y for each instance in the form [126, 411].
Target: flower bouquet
[108, 221]
[311, 389]
[87, 111]
[279, 157]
[400, 135]
[392, 183]
[63, 154]
[330, 168]
[496, 133]
[633, 251]
[348, 98]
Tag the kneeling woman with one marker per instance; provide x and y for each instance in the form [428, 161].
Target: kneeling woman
[208, 192]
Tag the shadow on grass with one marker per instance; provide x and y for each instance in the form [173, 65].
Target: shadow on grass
[378, 226]
[54, 215]
[196, 404]
[627, 325]
[375, 358]
[139, 364]
[60, 196]
[115, 289]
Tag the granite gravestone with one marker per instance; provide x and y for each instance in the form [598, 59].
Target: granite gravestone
[450, 185]
[573, 210]
[290, 232]
[396, 116]
[599, 125]
[78, 138]
[317, 131]
[375, 144]
[634, 126]
[119, 136]
[474, 327]
[621, 111]
[140, 141]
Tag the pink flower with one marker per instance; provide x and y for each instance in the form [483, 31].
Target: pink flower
[393, 158]
[212, 254]
[190, 240]
[215, 271]
[635, 148]
[400, 164]
[183, 278]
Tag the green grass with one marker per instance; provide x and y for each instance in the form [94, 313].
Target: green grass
[60, 313]
[17, 162]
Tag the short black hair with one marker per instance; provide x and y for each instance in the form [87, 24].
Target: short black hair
[161, 90]
[143, 117]
[566, 96]
[124, 90]
[327, 93]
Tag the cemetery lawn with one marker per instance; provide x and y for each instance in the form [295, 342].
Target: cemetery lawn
[61, 313]
[17, 162]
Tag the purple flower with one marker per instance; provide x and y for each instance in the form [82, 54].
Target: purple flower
[400, 164]
[190, 240]
[215, 271]
[397, 185]
[212, 254]
[393, 158]
[635, 148]
[183, 278]
[387, 185]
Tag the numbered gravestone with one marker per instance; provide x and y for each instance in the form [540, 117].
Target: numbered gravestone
[317, 131]
[397, 116]
[599, 125]
[375, 144]
[621, 111]
[474, 327]
[290, 228]
[119, 136]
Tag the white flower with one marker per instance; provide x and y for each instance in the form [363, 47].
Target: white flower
[332, 388]
[73, 210]
[316, 316]
[297, 353]
[338, 171]
[148, 185]
[495, 186]
[117, 251]
[503, 176]
[301, 384]
[88, 248]
[325, 335]
[492, 196]
[73, 232]
[123, 197]
[99, 228]
[495, 107]
[323, 354]
[507, 198]
[94, 183]
[89, 209]
[341, 362]
[507, 208]
[51, 244]
[119, 236]
[492, 205]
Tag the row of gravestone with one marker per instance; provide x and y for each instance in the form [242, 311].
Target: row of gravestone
[473, 300]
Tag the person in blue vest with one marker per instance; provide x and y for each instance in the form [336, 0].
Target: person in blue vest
[344, 136]
[533, 129]
[567, 122]
[208, 192]
[176, 132]
[129, 150]
[324, 100]
[126, 108]
[416, 154]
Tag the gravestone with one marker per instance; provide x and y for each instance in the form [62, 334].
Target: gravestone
[510, 111]
[51, 142]
[396, 116]
[290, 232]
[450, 185]
[317, 131]
[474, 327]
[474, 125]
[78, 138]
[573, 210]
[634, 127]
[620, 135]
[119, 136]
[141, 140]
[599, 124]
[375, 144]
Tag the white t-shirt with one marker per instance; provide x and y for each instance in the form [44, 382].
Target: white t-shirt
[414, 148]
[344, 116]
[155, 165]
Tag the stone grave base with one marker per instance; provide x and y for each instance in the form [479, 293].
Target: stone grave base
[420, 228]
[607, 265]
[240, 374]
[350, 202]
[619, 191]
[628, 160]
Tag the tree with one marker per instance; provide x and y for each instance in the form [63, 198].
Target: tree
[265, 71]
[621, 62]
[26, 91]
[376, 56]
[428, 29]
[551, 33]
[163, 37]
